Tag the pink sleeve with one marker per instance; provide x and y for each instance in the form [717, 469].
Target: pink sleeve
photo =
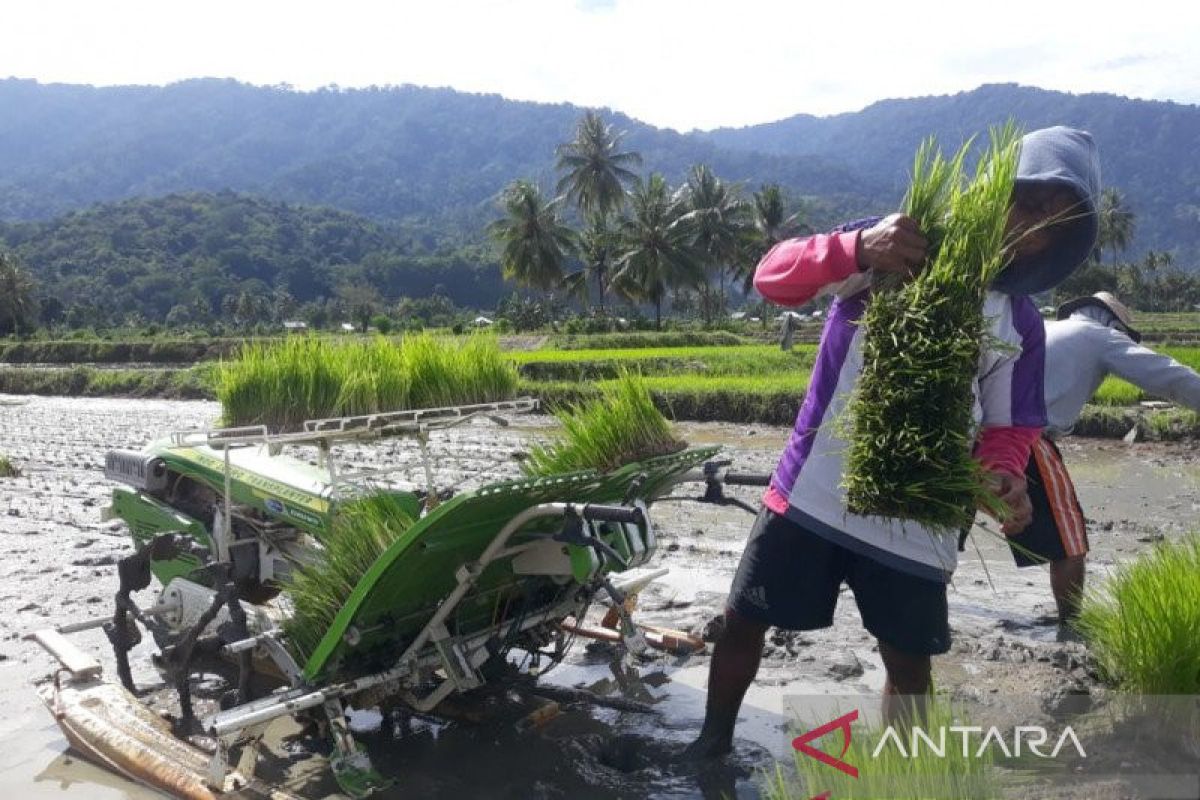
[1006, 448]
[775, 501]
[794, 271]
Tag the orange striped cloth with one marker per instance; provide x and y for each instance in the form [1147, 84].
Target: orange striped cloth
[1061, 493]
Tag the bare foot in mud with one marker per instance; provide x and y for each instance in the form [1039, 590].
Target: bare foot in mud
[706, 748]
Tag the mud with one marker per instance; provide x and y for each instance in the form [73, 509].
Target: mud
[59, 565]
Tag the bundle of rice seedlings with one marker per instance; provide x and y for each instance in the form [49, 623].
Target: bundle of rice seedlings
[373, 378]
[1143, 624]
[276, 383]
[8, 469]
[359, 534]
[452, 372]
[910, 420]
[621, 426]
[281, 384]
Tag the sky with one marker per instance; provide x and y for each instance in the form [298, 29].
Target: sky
[684, 64]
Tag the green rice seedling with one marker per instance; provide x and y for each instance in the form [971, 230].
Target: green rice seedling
[374, 378]
[361, 532]
[481, 372]
[910, 420]
[1173, 424]
[1116, 392]
[279, 383]
[8, 469]
[1143, 624]
[892, 771]
[282, 384]
[620, 427]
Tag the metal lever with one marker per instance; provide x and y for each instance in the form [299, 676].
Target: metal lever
[714, 486]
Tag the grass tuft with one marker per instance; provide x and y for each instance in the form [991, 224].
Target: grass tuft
[911, 417]
[8, 469]
[621, 426]
[1143, 624]
[360, 533]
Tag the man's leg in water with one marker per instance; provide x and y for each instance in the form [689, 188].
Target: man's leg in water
[1067, 577]
[909, 617]
[735, 660]
[909, 678]
[788, 577]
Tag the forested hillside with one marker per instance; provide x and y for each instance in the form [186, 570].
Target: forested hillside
[150, 256]
[384, 153]
[1148, 150]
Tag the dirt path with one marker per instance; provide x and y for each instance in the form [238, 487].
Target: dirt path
[58, 561]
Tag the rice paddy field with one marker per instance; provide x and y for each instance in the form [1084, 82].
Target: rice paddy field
[738, 382]
[61, 561]
[606, 400]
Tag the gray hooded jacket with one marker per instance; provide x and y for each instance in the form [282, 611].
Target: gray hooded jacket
[1068, 157]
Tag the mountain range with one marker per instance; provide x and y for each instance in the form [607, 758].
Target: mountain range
[436, 159]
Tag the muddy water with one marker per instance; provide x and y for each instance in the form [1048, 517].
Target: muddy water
[58, 566]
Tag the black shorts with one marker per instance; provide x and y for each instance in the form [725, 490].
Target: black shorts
[790, 577]
[1058, 530]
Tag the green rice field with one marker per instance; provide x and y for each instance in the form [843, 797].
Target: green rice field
[738, 382]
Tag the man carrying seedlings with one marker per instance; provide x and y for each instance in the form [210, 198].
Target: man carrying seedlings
[805, 543]
[1092, 338]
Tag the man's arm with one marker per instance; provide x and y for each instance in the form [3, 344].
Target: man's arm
[1155, 373]
[797, 270]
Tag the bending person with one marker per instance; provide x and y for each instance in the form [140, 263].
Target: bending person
[1093, 338]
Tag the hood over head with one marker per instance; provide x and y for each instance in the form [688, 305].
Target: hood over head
[1068, 157]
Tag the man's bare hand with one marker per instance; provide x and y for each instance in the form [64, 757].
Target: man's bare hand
[1014, 493]
[894, 244]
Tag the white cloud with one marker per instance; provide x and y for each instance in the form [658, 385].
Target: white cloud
[681, 63]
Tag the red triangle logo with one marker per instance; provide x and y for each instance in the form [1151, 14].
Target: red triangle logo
[842, 723]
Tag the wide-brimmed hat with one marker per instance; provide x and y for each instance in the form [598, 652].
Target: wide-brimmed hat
[1107, 301]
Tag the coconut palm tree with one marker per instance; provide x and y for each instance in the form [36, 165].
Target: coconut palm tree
[1117, 223]
[597, 170]
[656, 246]
[720, 219]
[596, 174]
[16, 296]
[534, 241]
[597, 242]
[772, 224]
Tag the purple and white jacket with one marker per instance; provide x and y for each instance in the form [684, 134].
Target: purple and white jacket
[807, 483]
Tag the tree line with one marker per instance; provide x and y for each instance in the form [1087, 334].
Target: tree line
[610, 231]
